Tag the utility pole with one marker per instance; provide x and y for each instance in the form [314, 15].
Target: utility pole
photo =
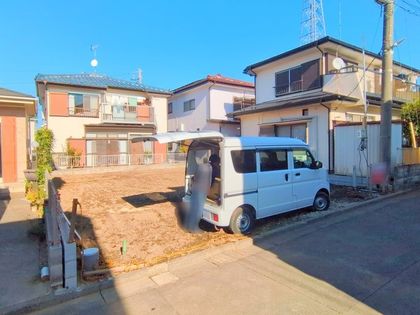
[387, 82]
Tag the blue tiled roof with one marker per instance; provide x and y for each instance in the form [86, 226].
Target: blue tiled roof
[96, 80]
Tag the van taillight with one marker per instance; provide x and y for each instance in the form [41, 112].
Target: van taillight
[215, 217]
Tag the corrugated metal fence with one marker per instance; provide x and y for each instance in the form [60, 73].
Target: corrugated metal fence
[347, 153]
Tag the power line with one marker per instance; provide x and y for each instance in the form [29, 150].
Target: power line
[408, 10]
[411, 5]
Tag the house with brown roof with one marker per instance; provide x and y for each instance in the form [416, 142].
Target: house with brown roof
[205, 103]
[16, 109]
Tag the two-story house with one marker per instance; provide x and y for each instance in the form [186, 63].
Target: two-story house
[95, 116]
[204, 104]
[305, 92]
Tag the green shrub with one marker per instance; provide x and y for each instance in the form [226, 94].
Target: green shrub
[36, 193]
[411, 113]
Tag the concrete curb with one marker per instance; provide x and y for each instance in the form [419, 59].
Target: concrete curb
[63, 295]
[54, 298]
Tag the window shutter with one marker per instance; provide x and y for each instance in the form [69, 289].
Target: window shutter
[310, 75]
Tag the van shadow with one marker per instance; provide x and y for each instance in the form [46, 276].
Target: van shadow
[147, 199]
[175, 198]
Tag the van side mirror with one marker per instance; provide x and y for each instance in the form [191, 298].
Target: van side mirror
[316, 165]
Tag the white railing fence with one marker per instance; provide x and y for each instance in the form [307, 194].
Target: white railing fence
[99, 160]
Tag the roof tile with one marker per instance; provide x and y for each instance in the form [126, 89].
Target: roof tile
[98, 81]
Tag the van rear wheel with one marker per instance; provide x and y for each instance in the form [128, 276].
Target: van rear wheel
[242, 221]
[321, 201]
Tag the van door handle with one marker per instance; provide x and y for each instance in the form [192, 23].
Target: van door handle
[286, 177]
[297, 174]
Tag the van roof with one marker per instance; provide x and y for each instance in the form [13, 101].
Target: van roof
[262, 141]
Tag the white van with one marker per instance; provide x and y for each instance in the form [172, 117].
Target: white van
[258, 176]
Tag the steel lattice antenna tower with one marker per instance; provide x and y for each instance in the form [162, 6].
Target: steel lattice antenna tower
[313, 23]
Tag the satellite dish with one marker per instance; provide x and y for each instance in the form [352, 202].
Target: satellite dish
[94, 63]
[338, 63]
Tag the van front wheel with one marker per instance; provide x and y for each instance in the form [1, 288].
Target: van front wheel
[242, 221]
[321, 201]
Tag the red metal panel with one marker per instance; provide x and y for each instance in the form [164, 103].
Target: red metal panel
[8, 149]
[59, 104]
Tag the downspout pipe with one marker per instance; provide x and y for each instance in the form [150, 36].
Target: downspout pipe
[323, 63]
[254, 75]
[209, 103]
[330, 140]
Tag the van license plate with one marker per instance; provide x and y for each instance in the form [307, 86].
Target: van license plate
[206, 215]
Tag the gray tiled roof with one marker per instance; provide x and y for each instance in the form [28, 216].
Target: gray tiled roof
[7, 92]
[96, 80]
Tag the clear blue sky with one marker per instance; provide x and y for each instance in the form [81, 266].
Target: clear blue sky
[174, 42]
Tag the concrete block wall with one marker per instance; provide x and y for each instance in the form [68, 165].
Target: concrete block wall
[406, 176]
[70, 266]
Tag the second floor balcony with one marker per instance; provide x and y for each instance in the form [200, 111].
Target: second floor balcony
[125, 113]
[351, 83]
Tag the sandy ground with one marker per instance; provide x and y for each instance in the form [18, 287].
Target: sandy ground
[138, 206]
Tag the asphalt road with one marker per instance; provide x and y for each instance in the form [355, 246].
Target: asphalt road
[364, 261]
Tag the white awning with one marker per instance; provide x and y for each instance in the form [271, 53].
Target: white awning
[178, 136]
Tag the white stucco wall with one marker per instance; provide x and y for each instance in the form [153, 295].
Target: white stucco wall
[221, 100]
[160, 105]
[317, 126]
[66, 127]
[339, 112]
[193, 119]
[265, 80]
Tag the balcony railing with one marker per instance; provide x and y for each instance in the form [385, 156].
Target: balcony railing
[293, 87]
[127, 113]
[83, 112]
[351, 84]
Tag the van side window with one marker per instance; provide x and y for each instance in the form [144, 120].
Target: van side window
[244, 161]
[273, 160]
[302, 158]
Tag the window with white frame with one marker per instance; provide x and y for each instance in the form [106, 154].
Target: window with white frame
[303, 77]
[170, 108]
[352, 117]
[298, 131]
[83, 103]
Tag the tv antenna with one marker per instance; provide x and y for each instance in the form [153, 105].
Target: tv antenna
[313, 22]
[94, 61]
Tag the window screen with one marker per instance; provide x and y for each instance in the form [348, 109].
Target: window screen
[273, 160]
[244, 161]
[282, 82]
[267, 131]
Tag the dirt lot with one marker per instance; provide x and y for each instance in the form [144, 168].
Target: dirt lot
[138, 206]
